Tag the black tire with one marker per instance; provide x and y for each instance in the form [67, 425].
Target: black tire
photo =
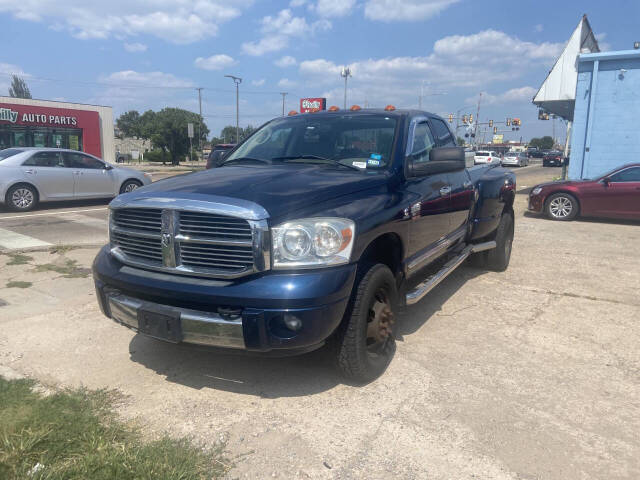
[497, 259]
[561, 206]
[130, 186]
[358, 360]
[22, 198]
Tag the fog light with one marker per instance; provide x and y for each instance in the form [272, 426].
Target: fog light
[292, 322]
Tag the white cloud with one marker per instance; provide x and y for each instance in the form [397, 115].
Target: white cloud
[258, 83]
[334, 8]
[214, 62]
[126, 78]
[404, 10]
[286, 61]
[178, 21]
[286, 83]
[278, 29]
[604, 46]
[135, 47]
[514, 95]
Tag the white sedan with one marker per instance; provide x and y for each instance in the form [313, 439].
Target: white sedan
[29, 176]
[487, 157]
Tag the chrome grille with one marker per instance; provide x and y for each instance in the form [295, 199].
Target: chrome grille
[189, 242]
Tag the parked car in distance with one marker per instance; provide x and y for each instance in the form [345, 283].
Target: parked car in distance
[553, 158]
[533, 152]
[313, 231]
[29, 176]
[487, 157]
[216, 156]
[614, 195]
[515, 159]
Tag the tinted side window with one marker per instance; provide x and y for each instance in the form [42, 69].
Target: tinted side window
[422, 143]
[78, 160]
[442, 131]
[44, 159]
[628, 175]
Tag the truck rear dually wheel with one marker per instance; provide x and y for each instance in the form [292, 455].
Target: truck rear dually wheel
[497, 259]
[365, 341]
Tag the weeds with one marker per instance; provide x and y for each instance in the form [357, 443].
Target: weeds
[17, 284]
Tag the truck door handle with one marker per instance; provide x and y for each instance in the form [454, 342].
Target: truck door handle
[444, 191]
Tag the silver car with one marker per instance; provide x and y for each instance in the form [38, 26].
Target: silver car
[29, 176]
[516, 159]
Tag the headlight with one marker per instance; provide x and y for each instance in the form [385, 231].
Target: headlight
[312, 242]
[536, 191]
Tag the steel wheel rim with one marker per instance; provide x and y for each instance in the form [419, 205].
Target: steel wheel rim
[22, 198]
[130, 187]
[561, 207]
[379, 324]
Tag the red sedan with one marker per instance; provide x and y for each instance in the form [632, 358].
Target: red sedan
[615, 195]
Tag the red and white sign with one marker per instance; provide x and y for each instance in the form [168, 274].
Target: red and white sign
[312, 104]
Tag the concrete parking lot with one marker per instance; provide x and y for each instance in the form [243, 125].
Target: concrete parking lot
[529, 374]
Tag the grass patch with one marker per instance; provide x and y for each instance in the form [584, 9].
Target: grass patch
[62, 249]
[69, 269]
[14, 284]
[19, 259]
[74, 434]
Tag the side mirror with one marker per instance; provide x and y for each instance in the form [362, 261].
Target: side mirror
[108, 167]
[442, 159]
[606, 181]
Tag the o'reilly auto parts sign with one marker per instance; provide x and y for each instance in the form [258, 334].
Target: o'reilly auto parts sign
[37, 116]
[312, 104]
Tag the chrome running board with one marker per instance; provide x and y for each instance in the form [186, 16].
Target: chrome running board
[418, 293]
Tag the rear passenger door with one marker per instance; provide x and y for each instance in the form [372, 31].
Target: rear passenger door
[46, 171]
[462, 193]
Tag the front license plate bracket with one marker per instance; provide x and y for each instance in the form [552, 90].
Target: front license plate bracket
[164, 324]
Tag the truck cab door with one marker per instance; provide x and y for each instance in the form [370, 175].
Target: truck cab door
[430, 212]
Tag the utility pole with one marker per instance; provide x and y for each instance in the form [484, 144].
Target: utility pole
[346, 73]
[475, 130]
[284, 94]
[237, 81]
[200, 146]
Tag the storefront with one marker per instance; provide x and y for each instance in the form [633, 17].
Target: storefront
[40, 123]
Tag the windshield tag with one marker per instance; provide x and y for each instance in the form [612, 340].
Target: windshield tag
[360, 164]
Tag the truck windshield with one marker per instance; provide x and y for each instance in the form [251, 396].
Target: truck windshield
[362, 140]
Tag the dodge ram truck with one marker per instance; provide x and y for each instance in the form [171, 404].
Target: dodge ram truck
[312, 232]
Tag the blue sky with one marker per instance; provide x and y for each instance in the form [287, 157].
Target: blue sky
[152, 54]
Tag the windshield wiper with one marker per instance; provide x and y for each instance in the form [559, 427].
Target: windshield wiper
[317, 157]
[246, 159]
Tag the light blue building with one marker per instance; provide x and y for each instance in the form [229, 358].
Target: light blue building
[606, 118]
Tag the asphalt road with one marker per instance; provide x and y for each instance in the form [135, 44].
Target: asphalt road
[85, 223]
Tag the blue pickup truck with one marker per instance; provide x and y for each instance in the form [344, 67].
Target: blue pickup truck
[312, 232]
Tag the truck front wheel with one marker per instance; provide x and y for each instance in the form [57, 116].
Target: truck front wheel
[365, 341]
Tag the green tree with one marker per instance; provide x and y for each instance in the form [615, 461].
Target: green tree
[544, 143]
[130, 124]
[167, 130]
[228, 134]
[19, 88]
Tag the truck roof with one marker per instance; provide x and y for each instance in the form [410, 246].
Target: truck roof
[381, 111]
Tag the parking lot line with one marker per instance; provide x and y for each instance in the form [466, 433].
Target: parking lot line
[12, 240]
[9, 217]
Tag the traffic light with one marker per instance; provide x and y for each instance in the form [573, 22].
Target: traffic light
[495, 130]
[464, 119]
[451, 118]
[471, 118]
[490, 123]
[508, 122]
[516, 122]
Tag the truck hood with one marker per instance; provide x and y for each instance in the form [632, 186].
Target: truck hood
[279, 189]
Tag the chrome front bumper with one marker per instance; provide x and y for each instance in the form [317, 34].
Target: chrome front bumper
[201, 328]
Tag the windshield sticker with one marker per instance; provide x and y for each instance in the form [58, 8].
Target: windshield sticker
[374, 159]
[360, 164]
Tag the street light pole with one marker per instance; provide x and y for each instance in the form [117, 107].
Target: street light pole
[237, 81]
[346, 73]
[200, 146]
[284, 94]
